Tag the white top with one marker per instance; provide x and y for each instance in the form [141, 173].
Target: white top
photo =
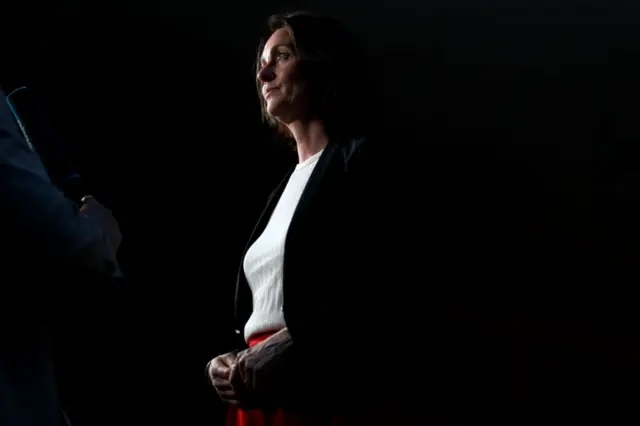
[263, 262]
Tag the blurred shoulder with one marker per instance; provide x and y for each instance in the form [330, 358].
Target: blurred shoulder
[379, 156]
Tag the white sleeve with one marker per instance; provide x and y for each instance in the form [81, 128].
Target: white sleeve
[35, 207]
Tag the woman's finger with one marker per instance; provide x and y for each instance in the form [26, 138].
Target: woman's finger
[222, 385]
[234, 375]
[219, 371]
[237, 382]
[228, 395]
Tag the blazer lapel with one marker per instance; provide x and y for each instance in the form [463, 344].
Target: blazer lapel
[321, 174]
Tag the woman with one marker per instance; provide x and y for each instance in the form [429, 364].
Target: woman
[315, 276]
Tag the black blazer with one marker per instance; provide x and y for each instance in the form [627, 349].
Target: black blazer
[345, 260]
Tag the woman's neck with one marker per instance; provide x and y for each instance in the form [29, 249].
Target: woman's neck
[310, 136]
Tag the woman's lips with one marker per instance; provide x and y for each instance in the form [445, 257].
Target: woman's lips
[268, 92]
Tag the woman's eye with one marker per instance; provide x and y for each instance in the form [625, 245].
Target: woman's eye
[282, 56]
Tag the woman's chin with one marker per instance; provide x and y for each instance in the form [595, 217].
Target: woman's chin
[274, 109]
[281, 111]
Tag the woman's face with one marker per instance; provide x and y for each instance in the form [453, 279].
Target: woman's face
[282, 88]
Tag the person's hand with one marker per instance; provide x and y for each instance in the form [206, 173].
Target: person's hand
[256, 370]
[105, 219]
[219, 370]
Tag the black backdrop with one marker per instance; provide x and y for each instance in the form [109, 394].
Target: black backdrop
[524, 114]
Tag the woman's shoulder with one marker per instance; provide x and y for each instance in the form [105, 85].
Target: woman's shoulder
[375, 153]
[353, 148]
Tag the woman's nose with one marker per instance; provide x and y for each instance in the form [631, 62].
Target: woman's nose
[266, 74]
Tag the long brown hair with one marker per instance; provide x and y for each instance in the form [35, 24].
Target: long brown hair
[337, 71]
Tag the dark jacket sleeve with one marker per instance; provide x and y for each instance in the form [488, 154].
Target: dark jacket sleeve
[41, 228]
[360, 310]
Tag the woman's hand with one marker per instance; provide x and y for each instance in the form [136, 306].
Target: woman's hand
[219, 371]
[255, 371]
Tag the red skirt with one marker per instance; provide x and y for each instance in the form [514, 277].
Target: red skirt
[277, 417]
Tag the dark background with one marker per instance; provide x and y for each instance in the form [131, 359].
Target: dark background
[526, 116]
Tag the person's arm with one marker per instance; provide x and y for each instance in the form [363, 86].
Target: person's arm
[45, 222]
